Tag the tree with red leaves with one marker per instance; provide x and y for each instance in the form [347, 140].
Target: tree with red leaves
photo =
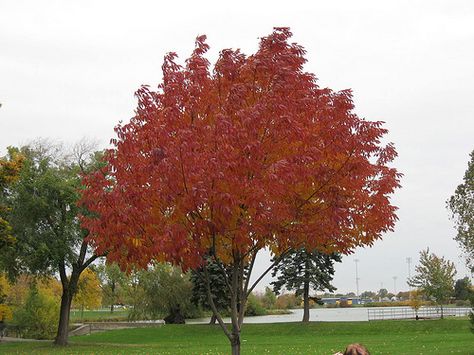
[253, 154]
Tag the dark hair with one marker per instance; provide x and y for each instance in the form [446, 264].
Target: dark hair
[356, 349]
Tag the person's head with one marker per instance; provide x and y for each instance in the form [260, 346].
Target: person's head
[356, 349]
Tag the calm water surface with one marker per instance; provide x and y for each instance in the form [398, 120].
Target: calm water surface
[316, 314]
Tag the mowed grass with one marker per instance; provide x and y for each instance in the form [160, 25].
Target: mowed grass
[448, 336]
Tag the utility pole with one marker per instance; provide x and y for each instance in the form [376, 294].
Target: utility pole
[395, 285]
[357, 276]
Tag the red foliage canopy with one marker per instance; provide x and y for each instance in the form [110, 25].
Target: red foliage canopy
[252, 154]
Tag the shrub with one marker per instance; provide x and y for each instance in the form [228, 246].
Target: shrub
[254, 307]
[462, 303]
[38, 317]
[287, 301]
[5, 313]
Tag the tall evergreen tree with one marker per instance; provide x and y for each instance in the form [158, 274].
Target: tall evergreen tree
[302, 270]
[218, 288]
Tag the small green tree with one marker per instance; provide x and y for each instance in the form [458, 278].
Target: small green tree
[268, 298]
[435, 277]
[302, 270]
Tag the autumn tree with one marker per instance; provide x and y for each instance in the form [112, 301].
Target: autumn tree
[10, 167]
[5, 310]
[461, 205]
[220, 163]
[89, 293]
[435, 277]
[44, 219]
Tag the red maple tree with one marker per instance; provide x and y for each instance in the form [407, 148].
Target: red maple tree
[253, 154]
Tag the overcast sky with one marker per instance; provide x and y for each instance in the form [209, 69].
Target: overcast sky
[68, 69]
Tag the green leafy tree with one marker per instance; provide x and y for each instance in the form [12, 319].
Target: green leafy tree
[43, 214]
[113, 282]
[302, 270]
[435, 277]
[461, 205]
[162, 291]
[463, 289]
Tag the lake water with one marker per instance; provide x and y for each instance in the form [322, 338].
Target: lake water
[356, 314]
[316, 315]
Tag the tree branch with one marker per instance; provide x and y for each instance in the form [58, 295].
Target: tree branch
[266, 271]
[213, 305]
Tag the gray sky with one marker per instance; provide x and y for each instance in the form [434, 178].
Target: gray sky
[68, 69]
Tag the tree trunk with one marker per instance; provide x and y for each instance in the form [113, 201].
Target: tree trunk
[63, 326]
[442, 315]
[235, 343]
[113, 297]
[306, 302]
[306, 293]
[213, 319]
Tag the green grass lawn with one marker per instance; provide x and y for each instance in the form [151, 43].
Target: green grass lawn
[448, 336]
